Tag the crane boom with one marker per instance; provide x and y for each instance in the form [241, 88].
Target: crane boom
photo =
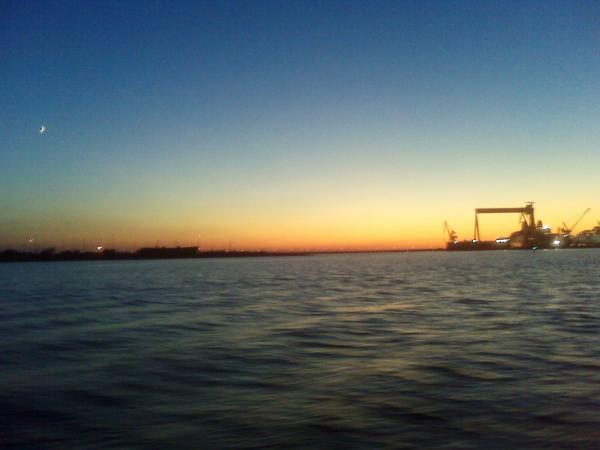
[579, 220]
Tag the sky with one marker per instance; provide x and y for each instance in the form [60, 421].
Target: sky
[294, 125]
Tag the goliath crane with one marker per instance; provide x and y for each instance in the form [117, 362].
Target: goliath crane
[526, 218]
[450, 231]
[569, 230]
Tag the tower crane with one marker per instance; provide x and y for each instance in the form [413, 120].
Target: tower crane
[450, 231]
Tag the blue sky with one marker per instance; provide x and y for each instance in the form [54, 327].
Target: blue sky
[172, 119]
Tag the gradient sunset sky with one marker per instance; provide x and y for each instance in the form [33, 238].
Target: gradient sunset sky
[293, 125]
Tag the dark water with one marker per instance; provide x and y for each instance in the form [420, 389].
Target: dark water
[488, 350]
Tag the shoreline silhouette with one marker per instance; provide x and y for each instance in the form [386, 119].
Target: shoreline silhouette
[146, 253]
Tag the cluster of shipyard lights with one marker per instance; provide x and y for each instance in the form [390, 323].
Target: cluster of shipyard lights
[555, 242]
[505, 240]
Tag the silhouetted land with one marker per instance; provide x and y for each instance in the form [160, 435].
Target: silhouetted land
[50, 254]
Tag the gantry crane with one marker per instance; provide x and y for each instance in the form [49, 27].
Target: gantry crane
[526, 218]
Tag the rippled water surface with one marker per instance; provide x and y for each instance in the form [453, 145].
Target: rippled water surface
[486, 349]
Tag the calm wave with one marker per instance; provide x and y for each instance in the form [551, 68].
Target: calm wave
[493, 350]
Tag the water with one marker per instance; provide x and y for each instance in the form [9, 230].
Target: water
[460, 350]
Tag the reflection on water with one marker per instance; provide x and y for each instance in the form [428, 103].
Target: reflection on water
[497, 349]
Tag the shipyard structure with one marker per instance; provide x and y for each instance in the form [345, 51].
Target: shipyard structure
[531, 234]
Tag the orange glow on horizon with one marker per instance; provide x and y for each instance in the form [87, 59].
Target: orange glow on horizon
[346, 229]
[360, 217]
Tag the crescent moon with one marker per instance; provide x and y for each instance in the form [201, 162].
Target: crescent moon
[42, 129]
